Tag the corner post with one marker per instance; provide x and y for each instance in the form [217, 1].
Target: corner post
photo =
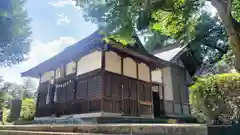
[103, 76]
[150, 75]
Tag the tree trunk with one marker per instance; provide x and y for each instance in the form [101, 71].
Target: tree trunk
[235, 43]
[232, 27]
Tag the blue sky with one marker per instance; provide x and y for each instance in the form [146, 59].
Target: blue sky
[56, 24]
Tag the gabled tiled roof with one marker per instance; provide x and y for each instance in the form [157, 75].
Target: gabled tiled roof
[68, 54]
[82, 47]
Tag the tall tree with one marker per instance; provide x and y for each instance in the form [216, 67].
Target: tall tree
[174, 18]
[15, 32]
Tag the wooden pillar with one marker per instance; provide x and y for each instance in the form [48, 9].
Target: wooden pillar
[122, 80]
[150, 75]
[75, 86]
[53, 92]
[103, 79]
[138, 103]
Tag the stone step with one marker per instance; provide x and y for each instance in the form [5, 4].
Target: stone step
[150, 129]
[14, 132]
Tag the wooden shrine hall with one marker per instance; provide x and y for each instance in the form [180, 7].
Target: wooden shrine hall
[98, 82]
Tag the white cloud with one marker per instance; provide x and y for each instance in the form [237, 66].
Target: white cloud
[62, 3]
[62, 19]
[39, 52]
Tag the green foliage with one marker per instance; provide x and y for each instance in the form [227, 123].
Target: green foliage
[15, 32]
[4, 96]
[225, 65]
[209, 42]
[28, 109]
[236, 9]
[24, 91]
[216, 97]
[164, 22]
[122, 18]
[3, 99]
[6, 113]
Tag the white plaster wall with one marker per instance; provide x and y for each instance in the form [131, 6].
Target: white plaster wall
[47, 76]
[70, 68]
[112, 62]
[143, 72]
[157, 75]
[167, 80]
[89, 62]
[58, 73]
[129, 67]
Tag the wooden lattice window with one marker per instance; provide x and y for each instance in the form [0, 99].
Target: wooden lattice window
[70, 89]
[113, 86]
[116, 86]
[94, 87]
[81, 89]
[42, 93]
[61, 92]
[145, 92]
[133, 89]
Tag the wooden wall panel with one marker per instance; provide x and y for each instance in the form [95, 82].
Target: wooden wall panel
[94, 106]
[130, 102]
[145, 109]
[81, 106]
[112, 105]
[145, 98]
[107, 105]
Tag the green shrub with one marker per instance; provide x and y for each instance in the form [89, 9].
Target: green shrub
[5, 115]
[28, 109]
[216, 97]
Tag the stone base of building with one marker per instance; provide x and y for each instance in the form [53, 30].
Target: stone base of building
[104, 118]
